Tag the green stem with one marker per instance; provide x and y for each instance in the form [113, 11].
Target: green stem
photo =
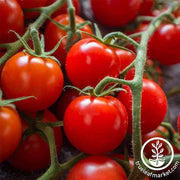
[112, 35]
[48, 131]
[136, 88]
[173, 92]
[144, 18]
[55, 170]
[170, 129]
[69, 164]
[108, 80]
[36, 41]
[125, 70]
[71, 12]
[176, 158]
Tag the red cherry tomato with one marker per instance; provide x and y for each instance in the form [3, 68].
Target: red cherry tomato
[27, 4]
[10, 131]
[115, 12]
[126, 58]
[66, 98]
[53, 34]
[89, 61]
[10, 13]
[33, 153]
[164, 44]
[95, 125]
[146, 7]
[63, 8]
[26, 75]
[153, 106]
[97, 168]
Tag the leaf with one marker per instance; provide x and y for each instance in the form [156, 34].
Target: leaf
[153, 145]
[157, 142]
[161, 150]
[153, 151]
[97, 31]
[159, 145]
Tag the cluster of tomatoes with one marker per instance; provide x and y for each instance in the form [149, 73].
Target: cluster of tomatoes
[94, 124]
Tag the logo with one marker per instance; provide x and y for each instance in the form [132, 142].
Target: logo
[158, 148]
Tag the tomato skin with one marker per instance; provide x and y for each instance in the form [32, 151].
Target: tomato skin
[153, 106]
[126, 58]
[63, 8]
[115, 13]
[146, 7]
[164, 44]
[33, 153]
[10, 12]
[100, 121]
[26, 75]
[10, 132]
[27, 4]
[53, 34]
[66, 98]
[97, 168]
[89, 61]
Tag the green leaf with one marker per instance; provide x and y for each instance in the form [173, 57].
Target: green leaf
[97, 31]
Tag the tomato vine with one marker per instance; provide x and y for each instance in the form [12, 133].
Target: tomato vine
[56, 169]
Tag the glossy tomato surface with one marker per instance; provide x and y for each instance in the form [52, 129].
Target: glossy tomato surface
[125, 59]
[89, 61]
[115, 13]
[146, 7]
[10, 12]
[97, 168]
[153, 106]
[33, 153]
[66, 98]
[26, 75]
[10, 132]
[27, 4]
[164, 44]
[95, 125]
[53, 34]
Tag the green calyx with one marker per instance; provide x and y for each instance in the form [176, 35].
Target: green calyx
[100, 90]
[110, 39]
[39, 45]
[35, 124]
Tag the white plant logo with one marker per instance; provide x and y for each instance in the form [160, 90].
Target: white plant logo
[157, 161]
[157, 154]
